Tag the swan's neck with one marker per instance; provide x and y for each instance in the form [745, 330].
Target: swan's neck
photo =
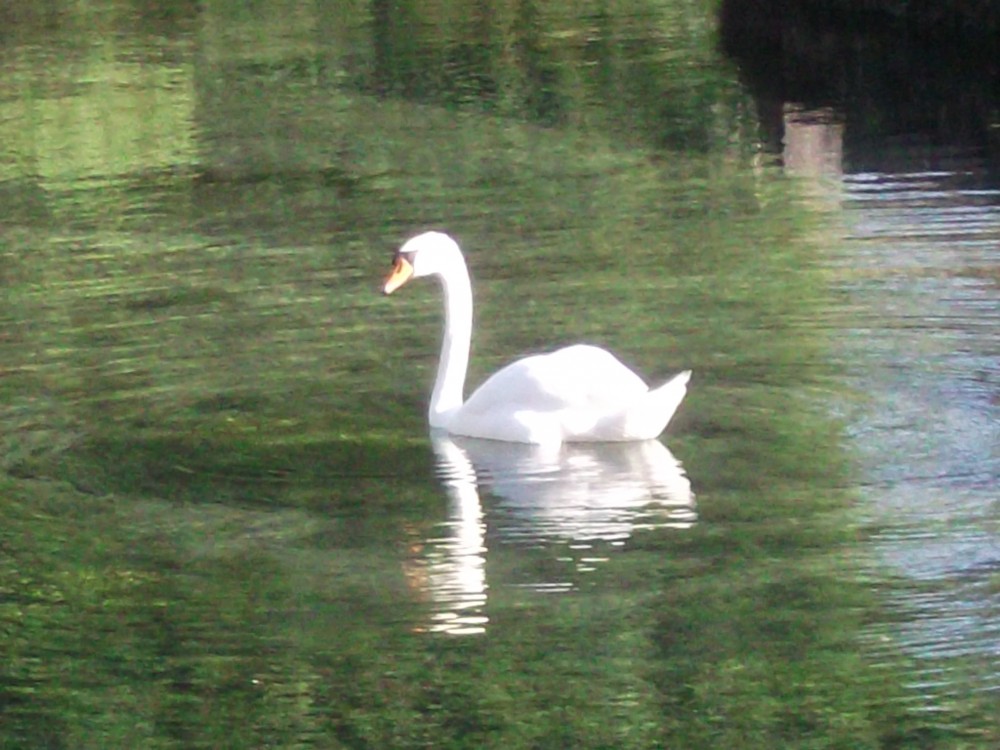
[447, 395]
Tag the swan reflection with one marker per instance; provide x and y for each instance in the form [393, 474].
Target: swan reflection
[581, 495]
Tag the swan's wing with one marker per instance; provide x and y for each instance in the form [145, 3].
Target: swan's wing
[648, 415]
[579, 378]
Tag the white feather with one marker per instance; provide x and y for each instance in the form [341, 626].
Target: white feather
[577, 394]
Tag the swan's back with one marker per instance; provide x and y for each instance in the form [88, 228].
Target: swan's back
[579, 393]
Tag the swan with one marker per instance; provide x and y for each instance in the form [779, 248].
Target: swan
[580, 393]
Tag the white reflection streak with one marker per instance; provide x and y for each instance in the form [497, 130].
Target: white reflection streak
[457, 566]
[581, 494]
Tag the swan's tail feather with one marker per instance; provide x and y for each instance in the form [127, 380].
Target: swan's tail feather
[643, 419]
[650, 416]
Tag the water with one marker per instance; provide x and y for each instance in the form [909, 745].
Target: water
[576, 503]
[923, 242]
[224, 522]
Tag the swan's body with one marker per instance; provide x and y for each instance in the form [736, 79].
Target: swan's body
[577, 394]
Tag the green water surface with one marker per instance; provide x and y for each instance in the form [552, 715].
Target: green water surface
[218, 493]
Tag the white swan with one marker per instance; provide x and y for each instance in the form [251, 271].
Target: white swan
[577, 394]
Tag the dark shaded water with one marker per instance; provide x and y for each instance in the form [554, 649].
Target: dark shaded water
[223, 520]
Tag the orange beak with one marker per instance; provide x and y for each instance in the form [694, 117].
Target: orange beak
[401, 273]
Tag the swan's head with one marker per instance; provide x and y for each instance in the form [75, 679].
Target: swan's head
[427, 254]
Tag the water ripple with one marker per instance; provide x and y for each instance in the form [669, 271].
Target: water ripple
[920, 273]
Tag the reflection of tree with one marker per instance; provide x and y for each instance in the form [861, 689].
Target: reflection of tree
[620, 70]
[394, 48]
[537, 75]
[917, 68]
[480, 59]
